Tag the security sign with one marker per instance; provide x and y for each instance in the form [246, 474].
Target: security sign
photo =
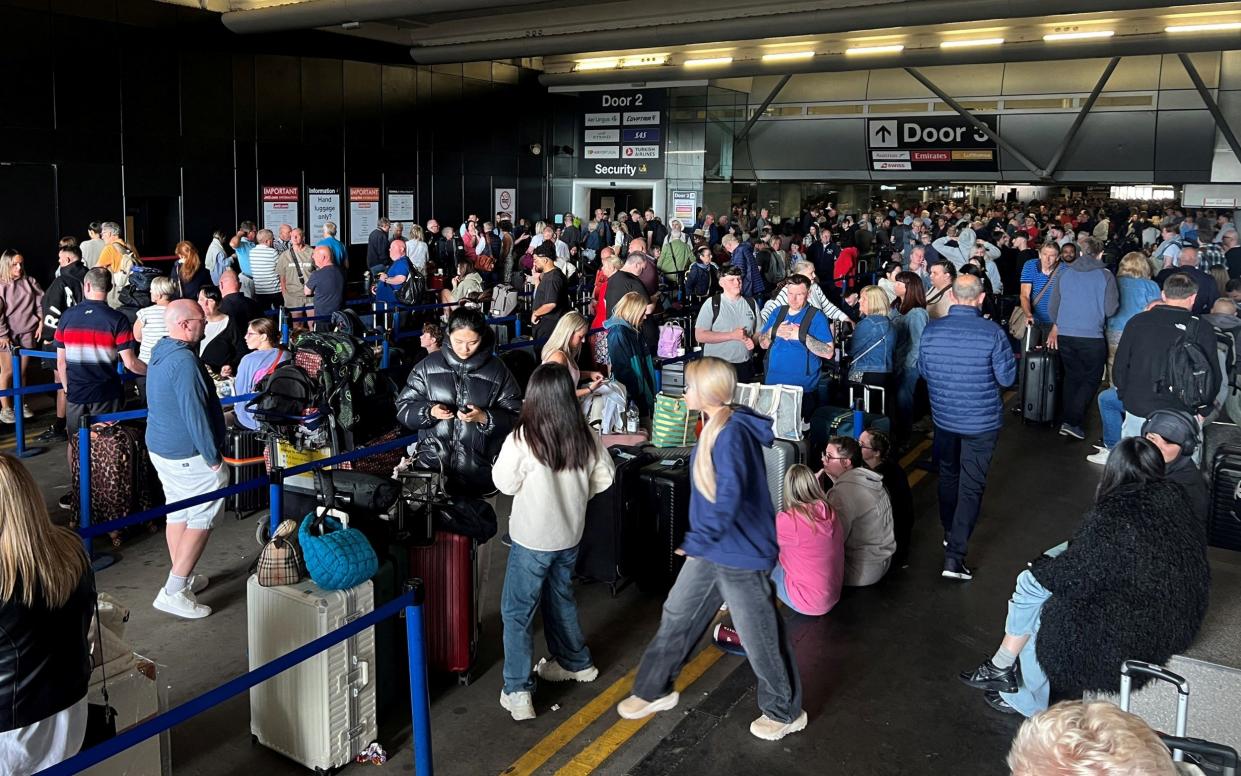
[931, 144]
[626, 126]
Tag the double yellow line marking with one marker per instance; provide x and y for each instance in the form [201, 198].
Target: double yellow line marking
[611, 739]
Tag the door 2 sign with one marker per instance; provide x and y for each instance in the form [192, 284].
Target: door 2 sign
[622, 134]
[931, 144]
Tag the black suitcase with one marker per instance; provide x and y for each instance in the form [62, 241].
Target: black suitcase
[672, 379]
[609, 540]
[664, 485]
[1040, 387]
[1224, 522]
[242, 444]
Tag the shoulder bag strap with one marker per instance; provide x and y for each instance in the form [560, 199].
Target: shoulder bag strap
[1046, 287]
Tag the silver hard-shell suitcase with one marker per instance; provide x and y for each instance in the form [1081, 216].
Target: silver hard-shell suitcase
[320, 712]
[779, 458]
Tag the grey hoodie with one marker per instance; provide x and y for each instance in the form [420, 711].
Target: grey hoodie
[1083, 298]
[862, 506]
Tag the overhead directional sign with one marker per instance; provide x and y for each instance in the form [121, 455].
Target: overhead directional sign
[625, 125]
[931, 144]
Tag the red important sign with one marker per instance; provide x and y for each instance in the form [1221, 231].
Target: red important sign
[363, 193]
[280, 194]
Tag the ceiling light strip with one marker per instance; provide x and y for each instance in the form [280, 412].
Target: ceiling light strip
[895, 48]
[972, 43]
[786, 56]
[707, 61]
[1085, 35]
[1219, 27]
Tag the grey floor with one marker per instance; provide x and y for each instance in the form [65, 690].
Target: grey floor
[879, 670]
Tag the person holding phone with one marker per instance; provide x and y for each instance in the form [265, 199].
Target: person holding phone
[466, 397]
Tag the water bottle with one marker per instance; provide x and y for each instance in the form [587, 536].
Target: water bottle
[631, 419]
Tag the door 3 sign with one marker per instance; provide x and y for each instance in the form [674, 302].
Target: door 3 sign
[931, 144]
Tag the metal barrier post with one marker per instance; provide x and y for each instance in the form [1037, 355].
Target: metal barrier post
[19, 409]
[419, 700]
[517, 327]
[276, 495]
[385, 357]
[284, 326]
[84, 479]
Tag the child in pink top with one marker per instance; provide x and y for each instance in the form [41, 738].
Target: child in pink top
[811, 567]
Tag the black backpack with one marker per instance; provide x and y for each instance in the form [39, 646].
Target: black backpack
[1187, 372]
[285, 396]
[659, 233]
[413, 291]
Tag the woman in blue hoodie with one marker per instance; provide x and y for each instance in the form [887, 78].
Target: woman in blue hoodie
[730, 550]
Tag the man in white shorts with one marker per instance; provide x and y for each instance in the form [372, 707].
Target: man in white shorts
[185, 434]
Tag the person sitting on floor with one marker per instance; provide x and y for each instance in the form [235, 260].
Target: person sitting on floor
[1104, 740]
[858, 498]
[879, 457]
[1175, 433]
[1133, 583]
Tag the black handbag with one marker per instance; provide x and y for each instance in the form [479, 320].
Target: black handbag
[362, 492]
[100, 717]
[470, 517]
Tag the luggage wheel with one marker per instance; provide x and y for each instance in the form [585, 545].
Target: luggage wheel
[262, 532]
[465, 678]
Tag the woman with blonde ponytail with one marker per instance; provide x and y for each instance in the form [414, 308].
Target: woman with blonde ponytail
[730, 550]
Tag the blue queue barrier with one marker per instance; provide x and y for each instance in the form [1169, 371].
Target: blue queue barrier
[408, 603]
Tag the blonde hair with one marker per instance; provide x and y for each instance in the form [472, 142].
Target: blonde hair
[37, 559]
[1134, 264]
[1098, 738]
[631, 308]
[570, 323]
[714, 380]
[873, 301]
[163, 286]
[803, 496]
[6, 266]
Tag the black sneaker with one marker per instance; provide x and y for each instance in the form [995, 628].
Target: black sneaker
[955, 569]
[993, 699]
[52, 434]
[988, 677]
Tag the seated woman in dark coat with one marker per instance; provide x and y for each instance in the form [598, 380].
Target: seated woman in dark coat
[1132, 584]
[466, 397]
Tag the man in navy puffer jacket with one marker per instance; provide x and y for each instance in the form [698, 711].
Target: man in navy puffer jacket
[966, 361]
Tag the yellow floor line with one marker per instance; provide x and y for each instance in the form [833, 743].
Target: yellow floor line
[541, 752]
[594, 755]
[915, 453]
[917, 477]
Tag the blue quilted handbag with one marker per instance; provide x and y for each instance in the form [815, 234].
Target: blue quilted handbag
[337, 557]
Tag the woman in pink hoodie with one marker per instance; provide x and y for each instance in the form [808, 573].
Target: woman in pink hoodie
[20, 300]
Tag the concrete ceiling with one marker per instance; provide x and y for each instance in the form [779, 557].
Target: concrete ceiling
[557, 36]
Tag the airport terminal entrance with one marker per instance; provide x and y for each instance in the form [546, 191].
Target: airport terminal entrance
[620, 200]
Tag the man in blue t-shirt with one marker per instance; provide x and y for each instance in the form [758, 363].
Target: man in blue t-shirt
[799, 337]
[339, 254]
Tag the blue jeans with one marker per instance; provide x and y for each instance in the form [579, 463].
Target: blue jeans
[963, 465]
[1025, 609]
[691, 605]
[906, 390]
[1112, 413]
[537, 579]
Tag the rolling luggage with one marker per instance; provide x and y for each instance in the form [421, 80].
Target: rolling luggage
[1213, 759]
[1224, 521]
[449, 569]
[243, 454]
[123, 480]
[779, 458]
[1040, 383]
[664, 488]
[332, 693]
[608, 541]
[672, 379]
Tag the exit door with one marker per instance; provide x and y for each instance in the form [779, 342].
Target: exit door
[620, 200]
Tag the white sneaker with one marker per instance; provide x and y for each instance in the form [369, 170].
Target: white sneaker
[27, 413]
[552, 671]
[518, 704]
[1100, 457]
[768, 729]
[198, 583]
[8, 416]
[181, 604]
[634, 707]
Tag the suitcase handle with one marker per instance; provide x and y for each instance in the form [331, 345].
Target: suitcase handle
[1222, 756]
[1131, 668]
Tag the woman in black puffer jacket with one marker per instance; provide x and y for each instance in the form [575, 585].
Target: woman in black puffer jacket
[467, 398]
[1133, 584]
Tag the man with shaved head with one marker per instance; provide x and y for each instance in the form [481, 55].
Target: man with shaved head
[185, 437]
[325, 287]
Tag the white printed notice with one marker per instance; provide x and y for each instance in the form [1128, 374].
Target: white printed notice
[324, 206]
[280, 206]
[363, 213]
[401, 206]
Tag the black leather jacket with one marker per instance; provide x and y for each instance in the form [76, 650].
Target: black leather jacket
[45, 660]
[483, 381]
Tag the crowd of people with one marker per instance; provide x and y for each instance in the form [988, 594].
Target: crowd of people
[918, 302]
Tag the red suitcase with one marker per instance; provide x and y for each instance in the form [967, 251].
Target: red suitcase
[449, 572]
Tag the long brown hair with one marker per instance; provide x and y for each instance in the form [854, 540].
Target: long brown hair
[190, 261]
[551, 424]
[38, 560]
[915, 292]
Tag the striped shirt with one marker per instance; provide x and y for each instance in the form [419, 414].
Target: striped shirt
[93, 336]
[153, 330]
[263, 260]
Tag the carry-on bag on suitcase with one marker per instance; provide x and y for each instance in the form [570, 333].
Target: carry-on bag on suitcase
[665, 490]
[1224, 521]
[1213, 759]
[449, 571]
[607, 548]
[243, 454]
[320, 712]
